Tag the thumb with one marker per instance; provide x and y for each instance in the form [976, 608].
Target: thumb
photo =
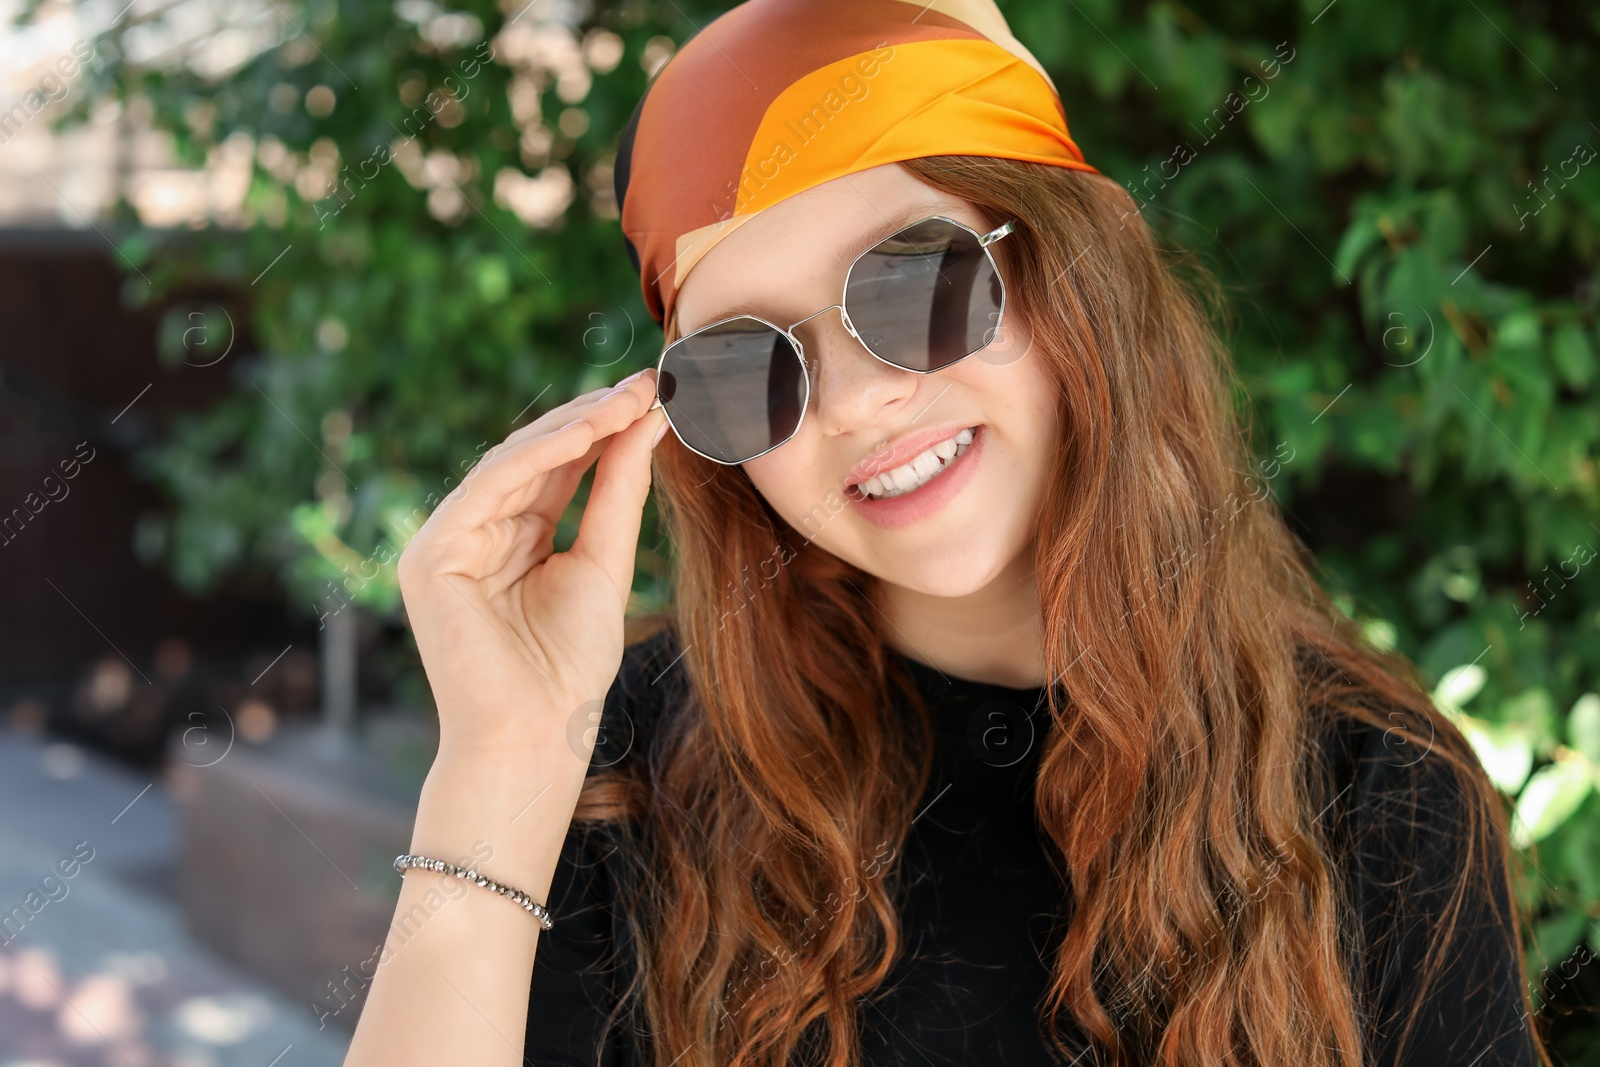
[608, 533]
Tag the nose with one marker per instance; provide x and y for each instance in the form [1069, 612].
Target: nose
[851, 389]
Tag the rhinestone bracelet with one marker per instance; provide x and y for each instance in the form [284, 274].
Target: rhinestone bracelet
[517, 896]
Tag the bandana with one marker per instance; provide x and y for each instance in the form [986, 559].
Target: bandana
[776, 96]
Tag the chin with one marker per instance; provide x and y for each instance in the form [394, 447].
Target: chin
[957, 572]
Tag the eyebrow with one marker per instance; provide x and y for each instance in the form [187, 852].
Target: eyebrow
[897, 222]
[841, 260]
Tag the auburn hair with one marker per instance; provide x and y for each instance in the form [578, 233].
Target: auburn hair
[1194, 654]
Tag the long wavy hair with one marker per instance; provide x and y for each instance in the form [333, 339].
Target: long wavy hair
[1195, 656]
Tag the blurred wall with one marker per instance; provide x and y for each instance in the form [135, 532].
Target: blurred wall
[95, 643]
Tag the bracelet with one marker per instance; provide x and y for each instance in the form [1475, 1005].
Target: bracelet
[521, 899]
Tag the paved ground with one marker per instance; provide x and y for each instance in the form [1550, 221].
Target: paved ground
[97, 970]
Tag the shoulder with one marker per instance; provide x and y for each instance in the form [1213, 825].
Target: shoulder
[1437, 954]
[1395, 767]
[1405, 796]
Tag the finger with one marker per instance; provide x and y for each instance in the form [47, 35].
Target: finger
[503, 484]
[514, 476]
[557, 416]
[608, 533]
[579, 405]
[538, 521]
[531, 542]
[561, 485]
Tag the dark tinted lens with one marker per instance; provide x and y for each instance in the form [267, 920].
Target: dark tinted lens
[733, 390]
[925, 297]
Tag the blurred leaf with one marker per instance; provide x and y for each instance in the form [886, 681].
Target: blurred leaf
[1583, 726]
[1550, 797]
[1506, 751]
[1459, 685]
[1573, 356]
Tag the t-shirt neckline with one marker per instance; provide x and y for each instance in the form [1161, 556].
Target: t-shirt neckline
[931, 679]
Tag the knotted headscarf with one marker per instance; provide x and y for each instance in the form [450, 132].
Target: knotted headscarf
[776, 96]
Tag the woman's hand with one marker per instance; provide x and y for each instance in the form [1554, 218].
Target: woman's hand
[516, 637]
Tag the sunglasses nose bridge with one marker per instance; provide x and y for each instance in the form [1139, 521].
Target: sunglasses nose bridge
[824, 311]
[811, 365]
[844, 317]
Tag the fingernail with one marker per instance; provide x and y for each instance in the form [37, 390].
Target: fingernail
[660, 433]
[631, 377]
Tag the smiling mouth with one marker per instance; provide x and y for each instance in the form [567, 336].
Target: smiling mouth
[919, 471]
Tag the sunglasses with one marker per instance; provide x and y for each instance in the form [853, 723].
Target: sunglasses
[922, 299]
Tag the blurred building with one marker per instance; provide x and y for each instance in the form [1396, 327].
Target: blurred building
[97, 643]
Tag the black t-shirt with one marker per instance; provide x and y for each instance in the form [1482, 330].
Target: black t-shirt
[981, 906]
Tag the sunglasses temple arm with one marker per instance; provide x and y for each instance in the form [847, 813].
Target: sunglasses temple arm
[995, 234]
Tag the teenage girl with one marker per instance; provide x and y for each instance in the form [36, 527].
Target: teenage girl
[998, 717]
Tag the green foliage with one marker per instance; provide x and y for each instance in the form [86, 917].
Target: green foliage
[1401, 200]
[403, 318]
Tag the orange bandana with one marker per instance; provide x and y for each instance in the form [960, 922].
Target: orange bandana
[777, 96]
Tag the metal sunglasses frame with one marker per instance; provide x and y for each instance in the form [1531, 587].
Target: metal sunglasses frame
[984, 241]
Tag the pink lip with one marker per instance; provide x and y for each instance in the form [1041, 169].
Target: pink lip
[920, 503]
[904, 451]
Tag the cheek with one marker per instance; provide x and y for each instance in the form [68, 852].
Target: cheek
[1042, 406]
[782, 479]
[1016, 380]
[1019, 404]
[789, 479]
[1011, 345]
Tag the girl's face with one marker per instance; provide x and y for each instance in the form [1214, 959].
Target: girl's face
[972, 520]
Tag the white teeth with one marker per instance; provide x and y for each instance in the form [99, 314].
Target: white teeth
[923, 467]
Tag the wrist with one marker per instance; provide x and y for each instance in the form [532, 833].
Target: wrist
[499, 734]
[510, 814]
[500, 789]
